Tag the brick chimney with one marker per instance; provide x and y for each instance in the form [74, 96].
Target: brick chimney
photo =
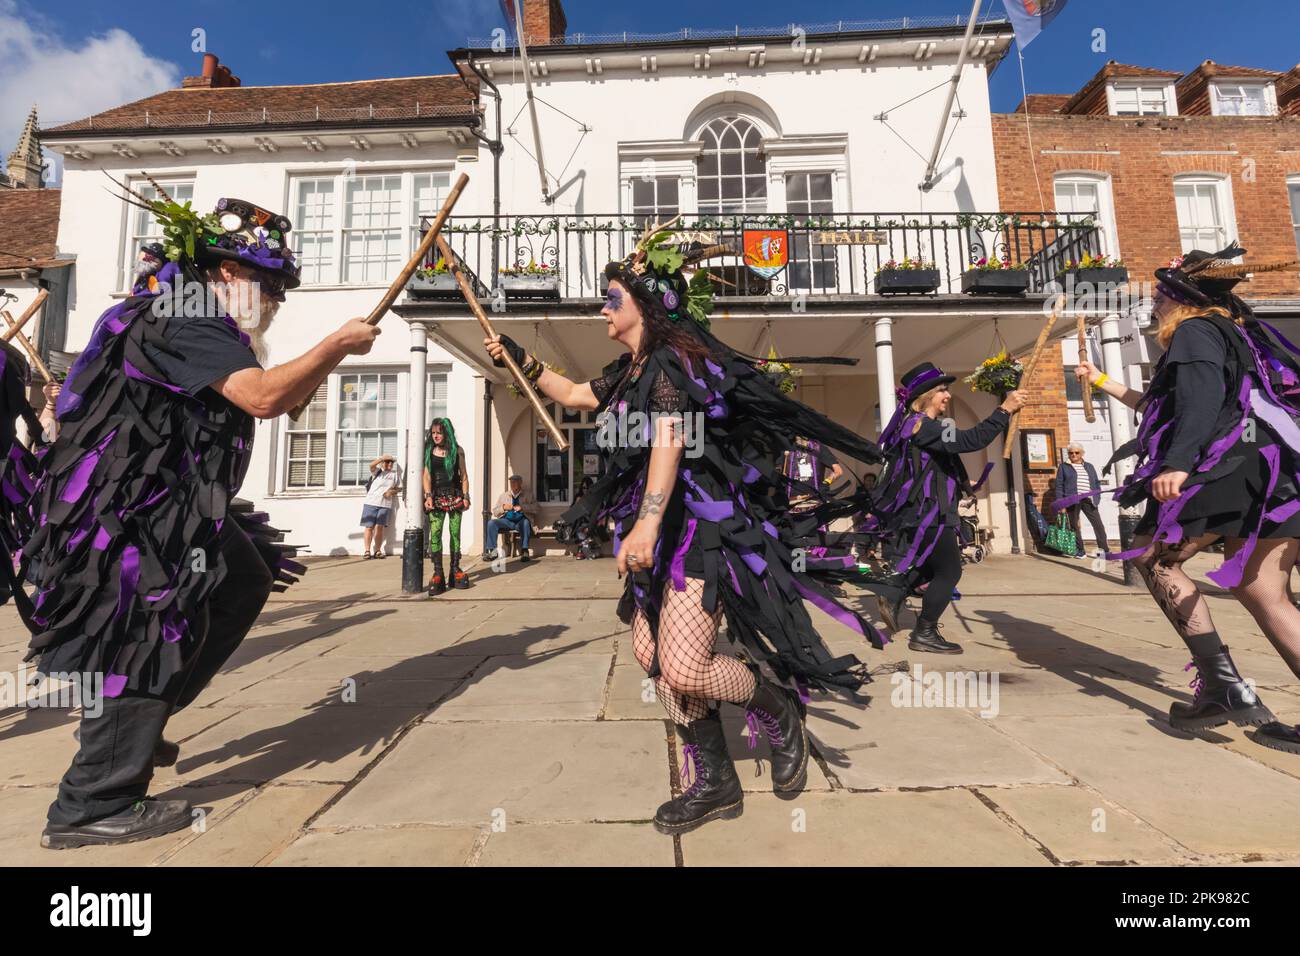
[214, 75]
[544, 22]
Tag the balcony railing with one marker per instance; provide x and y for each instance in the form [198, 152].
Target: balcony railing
[833, 254]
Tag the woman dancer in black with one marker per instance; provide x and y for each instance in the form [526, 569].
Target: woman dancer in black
[706, 530]
[1218, 457]
[918, 494]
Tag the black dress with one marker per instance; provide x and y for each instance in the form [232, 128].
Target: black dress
[728, 521]
[1224, 406]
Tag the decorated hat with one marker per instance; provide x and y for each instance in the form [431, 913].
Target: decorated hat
[253, 236]
[657, 271]
[920, 380]
[237, 230]
[1208, 278]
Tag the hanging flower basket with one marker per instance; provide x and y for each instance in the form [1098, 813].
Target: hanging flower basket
[995, 277]
[908, 276]
[996, 376]
[782, 374]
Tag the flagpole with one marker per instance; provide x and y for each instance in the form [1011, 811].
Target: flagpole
[928, 182]
[532, 104]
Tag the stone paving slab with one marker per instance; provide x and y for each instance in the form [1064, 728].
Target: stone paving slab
[947, 828]
[560, 687]
[387, 846]
[886, 747]
[578, 844]
[258, 828]
[1206, 797]
[463, 774]
[1077, 825]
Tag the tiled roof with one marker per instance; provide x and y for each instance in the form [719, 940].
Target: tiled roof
[434, 100]
[29, 227]
[1091, 97]
[1043, 103]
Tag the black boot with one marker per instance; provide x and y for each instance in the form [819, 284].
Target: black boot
[459, 579]
[780, 713]
[165, 753]
[145, 818]
[1221, 696]
[926, 637]
[437, 583]
[716, 793]
[1279, 736]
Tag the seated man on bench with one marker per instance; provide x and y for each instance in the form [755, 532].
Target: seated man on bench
[511, 513]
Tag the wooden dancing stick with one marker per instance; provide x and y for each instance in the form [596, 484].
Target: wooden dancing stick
[22, 319]
[403, 277]
[1089, 412]
[516, 372]
[27, 347]
[1030, 367]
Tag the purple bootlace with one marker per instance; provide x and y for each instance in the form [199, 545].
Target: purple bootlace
[691, 769]
[1197, 683]
[773, 729]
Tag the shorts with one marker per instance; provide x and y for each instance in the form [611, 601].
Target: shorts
[375, 516]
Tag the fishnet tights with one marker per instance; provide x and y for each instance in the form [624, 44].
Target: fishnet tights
[691, 675]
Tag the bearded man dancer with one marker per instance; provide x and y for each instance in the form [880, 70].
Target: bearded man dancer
[146, 579]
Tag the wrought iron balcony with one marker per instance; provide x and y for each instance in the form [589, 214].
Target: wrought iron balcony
[560, 256]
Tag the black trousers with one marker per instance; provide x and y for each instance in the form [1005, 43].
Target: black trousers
[113, 768]
[1089, 508]
[943, 570]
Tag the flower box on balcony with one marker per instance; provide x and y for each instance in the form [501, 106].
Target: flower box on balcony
[995, 281]
[531, 286]
[892, 281]
[1106, 278]
[440, 284]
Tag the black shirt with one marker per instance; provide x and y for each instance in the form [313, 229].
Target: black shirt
[1200, 355]
[206, 349]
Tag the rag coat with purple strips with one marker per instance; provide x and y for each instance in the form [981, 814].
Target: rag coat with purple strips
[18, 468]
[731, 503]
[128, 506]
[1260, 419]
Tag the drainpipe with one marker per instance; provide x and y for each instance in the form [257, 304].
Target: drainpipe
[413, 537]
[487, 458]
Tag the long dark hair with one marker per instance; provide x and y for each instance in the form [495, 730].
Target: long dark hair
[658, 329]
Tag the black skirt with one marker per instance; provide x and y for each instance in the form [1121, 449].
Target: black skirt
[1231, 506]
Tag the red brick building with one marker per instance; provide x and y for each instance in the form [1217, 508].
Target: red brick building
[1167, 162]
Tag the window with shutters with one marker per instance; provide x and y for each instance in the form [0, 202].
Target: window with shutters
[810, 197]
[1205, 217]
[307, 440]
[435, 397]
[1243, 99]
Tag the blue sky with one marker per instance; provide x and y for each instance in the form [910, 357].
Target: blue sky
[74, 57]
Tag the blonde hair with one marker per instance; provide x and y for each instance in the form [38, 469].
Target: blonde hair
[918, 404]
[1179, 314]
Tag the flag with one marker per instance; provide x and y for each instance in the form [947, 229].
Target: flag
[1030, 17]
[508, 8]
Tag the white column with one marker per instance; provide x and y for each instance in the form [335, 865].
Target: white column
[1112, 361]
[415, 426]
[885, 369]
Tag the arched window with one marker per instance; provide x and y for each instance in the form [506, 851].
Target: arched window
[733, 173]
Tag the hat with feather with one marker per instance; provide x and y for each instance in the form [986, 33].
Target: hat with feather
[668, 273]
[1208, 278]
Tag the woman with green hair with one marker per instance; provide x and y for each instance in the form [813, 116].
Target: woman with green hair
[446, 496]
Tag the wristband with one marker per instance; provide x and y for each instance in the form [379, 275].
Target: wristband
[1101, 381]
[532, 369]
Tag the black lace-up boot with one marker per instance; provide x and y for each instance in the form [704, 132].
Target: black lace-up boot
[1279, 736]
[437, 583]
[926, 637]
[1220, 695]
[780, 713]
[459, 579]
[715, 793]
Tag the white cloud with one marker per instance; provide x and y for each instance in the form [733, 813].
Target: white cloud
[68, 81]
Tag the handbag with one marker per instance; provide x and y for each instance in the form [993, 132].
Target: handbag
[1060, 537]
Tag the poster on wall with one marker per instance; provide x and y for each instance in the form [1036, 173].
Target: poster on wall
[590, 464]
[1039, 449]
[554, 465]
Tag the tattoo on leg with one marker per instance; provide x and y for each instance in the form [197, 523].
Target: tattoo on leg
[651, 504]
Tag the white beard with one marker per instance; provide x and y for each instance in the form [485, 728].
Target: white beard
[257, 336]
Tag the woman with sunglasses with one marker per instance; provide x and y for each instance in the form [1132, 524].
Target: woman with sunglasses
[1218, 458]
[707, 530]
[919, 493]
[1076, 476]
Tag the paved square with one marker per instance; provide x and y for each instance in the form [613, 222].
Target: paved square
[509, 724]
